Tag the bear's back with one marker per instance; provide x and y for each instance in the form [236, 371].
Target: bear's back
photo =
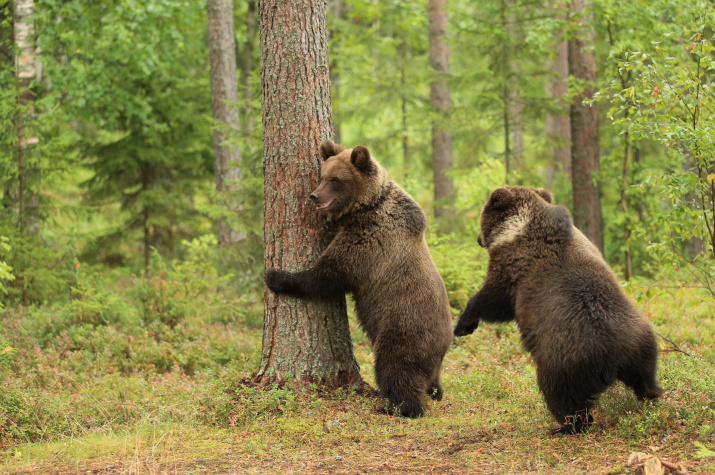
[576, 298]
[399, 289]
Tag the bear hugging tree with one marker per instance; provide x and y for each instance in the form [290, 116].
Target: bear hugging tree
[380, 255]
[580, 328]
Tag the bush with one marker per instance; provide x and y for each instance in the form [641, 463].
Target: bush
[671, 102]
[41, 273]
[461, 263]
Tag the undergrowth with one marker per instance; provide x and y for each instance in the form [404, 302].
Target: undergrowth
[171, 352]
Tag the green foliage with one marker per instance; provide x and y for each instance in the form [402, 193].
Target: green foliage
[669, 100]
[122, 72]
[40, 273]
[463, 267]
[7, 353]
[96, 356]
[5, 269]
[92, 302]
[379, 51]
[49, 144]
[168, 293]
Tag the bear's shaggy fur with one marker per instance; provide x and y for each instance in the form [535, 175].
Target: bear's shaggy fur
[381, 256]
[580, 328]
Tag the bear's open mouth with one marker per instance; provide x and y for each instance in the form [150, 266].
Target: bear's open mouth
[324, 205]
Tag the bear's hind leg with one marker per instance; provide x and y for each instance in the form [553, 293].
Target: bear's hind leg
[639, 372]
[569, 400]
[402, 386]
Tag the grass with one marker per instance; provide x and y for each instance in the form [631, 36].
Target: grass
[67, 406]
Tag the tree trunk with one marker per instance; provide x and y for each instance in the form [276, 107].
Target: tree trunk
[403, 108]
[26, 71]
[336, 9]
[628, 269]
[224, 99]
[515, 104]
[247, 67]
[440, 98]
[304, 339]
[696, 245]
[584, 127]
[558, 125]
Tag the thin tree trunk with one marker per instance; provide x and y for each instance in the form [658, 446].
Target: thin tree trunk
[506, 98]
[304, 339]
[584, 127]
[403, 109]
[624, 207]
[507, 134]
[696, 245]
[558, 125]
[145, 222]
[224, 99]
[26, 71]
[247, 68]
[440, 99]
[515, 104]
[336, 9]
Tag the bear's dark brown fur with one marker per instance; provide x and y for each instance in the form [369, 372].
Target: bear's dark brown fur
[573, 316]
[381, 256]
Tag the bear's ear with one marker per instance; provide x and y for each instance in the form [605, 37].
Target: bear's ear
[562, 218]
[329, 149]
[501, 198]
[545, 194]
[361, 159]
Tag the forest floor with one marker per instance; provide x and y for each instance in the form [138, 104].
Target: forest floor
[492, 418]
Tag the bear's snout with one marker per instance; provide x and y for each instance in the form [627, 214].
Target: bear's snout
[314, 196]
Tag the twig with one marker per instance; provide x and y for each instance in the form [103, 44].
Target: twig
[672, 466]
[675, 347]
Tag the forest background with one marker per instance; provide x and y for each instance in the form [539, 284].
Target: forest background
[131, 290]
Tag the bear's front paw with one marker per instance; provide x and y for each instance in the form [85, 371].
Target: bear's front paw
[277, 280]
[465, 326]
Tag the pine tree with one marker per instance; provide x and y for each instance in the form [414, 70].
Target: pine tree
[224, 99]
[584, 127]
[307, 340]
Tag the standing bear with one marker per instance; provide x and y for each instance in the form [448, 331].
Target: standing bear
[580, 328]
[380, 255]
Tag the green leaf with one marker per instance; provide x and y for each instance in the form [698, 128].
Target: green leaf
[703, 451]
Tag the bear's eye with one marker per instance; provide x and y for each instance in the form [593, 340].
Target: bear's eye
[334, 180]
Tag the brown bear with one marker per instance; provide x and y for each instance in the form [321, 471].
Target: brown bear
[580, 328]
[380, 255]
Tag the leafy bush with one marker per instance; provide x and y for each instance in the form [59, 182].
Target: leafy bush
[5, 269]
[672, 102]
[462, 265]
[120, 348]
[41, 273]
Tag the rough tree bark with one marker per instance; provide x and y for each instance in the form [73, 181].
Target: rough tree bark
[224, 99]
[440, 100]
[558, 124]
[584, 127]
[304, 339]
[26, 71]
